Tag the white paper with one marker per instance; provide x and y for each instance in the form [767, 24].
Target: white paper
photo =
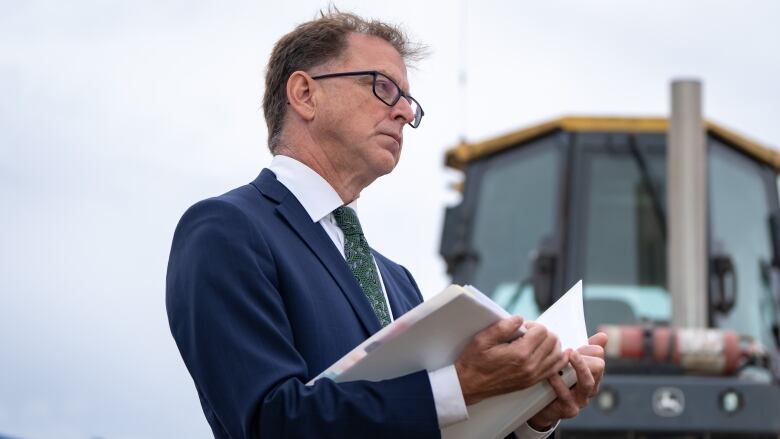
[566, 318]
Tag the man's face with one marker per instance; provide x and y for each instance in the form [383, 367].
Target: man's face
[360, 132]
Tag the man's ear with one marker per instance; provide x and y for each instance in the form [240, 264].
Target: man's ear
[300, 95]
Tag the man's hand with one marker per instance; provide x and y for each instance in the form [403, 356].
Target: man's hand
[588, 363]
[492, 365]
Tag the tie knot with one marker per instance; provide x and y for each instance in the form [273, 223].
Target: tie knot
[347, 220]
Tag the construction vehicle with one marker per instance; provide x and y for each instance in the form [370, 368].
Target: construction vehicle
[674, 226]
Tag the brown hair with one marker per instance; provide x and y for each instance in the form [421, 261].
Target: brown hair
[314, 43]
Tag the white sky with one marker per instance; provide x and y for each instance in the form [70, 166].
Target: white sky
[116, 116]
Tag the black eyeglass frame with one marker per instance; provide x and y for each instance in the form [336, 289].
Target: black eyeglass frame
[374, 74]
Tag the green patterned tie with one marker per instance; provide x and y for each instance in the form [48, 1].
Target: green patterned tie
[360, 261]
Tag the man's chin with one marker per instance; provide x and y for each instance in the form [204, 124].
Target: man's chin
[384, 165]
[389, 155]
[385, 170]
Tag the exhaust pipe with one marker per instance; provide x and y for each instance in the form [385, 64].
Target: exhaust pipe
[687, 207]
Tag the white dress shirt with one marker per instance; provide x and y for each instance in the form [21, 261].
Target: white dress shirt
[319, 199]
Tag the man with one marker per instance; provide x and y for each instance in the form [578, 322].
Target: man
[272, 282]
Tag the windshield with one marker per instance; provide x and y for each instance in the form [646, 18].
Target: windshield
[516, 208]
[622, 254]
[739, 196]
[620, 245]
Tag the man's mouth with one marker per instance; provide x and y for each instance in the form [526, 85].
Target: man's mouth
[396, 137]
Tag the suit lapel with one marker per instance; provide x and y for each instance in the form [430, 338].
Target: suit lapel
[399, 302]
[320, 244]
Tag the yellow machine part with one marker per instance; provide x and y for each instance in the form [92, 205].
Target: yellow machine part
[459, 156]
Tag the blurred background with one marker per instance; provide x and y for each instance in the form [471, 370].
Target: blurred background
[117, 116]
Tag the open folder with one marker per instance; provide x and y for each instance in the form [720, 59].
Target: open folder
[433, 334]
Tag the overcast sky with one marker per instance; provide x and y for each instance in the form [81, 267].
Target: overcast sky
[116, 116]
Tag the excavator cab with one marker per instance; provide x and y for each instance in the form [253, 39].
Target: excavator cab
[586, 198]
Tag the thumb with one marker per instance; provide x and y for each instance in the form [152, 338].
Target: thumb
[599, 338]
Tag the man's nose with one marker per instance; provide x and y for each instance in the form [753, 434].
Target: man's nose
[403, 109]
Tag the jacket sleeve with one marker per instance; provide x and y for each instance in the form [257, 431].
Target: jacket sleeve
[229, 322]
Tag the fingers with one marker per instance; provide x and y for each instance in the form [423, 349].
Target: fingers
[596, 366]
[565, 405]
[565, 359]
[501, 332]
[549, 346]
[562, 391]
[594, 358]
[599, 339]
[542, 352]
[555, 366]
[523, 348]
[586, 383]
[489, 365]
[537, 342]
[592, 350]
[536, 335]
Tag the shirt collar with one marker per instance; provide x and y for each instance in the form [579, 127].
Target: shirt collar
[314, 193]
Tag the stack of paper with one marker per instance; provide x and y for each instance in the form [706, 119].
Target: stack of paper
[433, 334]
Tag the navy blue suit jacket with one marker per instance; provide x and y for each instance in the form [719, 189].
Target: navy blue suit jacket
[260, 301]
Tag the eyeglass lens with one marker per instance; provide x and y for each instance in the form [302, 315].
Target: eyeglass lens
[389, 93]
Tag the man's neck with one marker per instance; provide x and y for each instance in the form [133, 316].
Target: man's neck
[345, 182]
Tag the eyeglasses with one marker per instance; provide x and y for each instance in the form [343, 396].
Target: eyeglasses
[386, 90]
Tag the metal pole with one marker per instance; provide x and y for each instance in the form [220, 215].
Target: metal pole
[687, 213]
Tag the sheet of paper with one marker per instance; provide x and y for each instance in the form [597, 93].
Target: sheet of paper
[566, 318]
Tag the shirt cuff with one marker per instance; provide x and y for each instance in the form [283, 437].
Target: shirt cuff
[447, 396]
[525, 431]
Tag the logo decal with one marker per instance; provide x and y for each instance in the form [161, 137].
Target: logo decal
[668, 402]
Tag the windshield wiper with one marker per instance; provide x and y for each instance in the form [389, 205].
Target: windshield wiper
[649, 183]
